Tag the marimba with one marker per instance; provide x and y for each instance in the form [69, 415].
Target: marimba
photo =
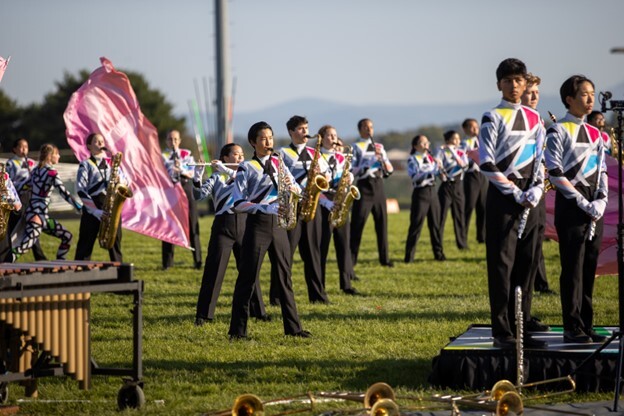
[45, 322]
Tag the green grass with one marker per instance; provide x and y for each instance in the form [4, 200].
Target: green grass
[390, 334]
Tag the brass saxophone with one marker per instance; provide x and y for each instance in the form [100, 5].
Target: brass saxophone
[614, 145]
[116, 195]
[6, 203]
[345, 195]
[287, 199]
[316, 184]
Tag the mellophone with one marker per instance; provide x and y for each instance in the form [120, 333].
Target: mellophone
[45, 320]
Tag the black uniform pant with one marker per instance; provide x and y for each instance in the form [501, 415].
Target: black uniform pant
[88, 233]
[341, 245]
[540, 283]
[475, 191]
[194, 238]
[262, 234]
[373, 199]
[226, 236]
[509, 260]
[579, 259]
[451, 194]
[306, 236]
[425, 204]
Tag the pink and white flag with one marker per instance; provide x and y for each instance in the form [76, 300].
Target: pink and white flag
[106, 103]
[607, 260]
[3, 66]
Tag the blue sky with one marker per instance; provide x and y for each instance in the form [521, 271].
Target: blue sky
[351, 51]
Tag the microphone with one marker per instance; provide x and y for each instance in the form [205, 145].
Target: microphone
[604, 97]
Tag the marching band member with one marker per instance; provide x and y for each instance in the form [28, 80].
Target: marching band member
[475, 184]
[226, 236]
[370, 166]
[576, 164]
[298, 159]
[596, 119]
[335, 162]
[510, 143]
[530, 98]
[19, 167]
[91, 183]
[422, 169]
[44, 177]
[13, 197]
[177, 162]
[256, 193]
[451, 192]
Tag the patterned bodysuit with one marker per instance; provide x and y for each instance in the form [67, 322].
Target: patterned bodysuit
[43, 179]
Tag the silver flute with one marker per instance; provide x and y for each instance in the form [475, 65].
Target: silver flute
[519, 342]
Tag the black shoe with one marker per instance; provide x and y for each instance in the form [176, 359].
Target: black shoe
[351, 291]
[547, 291]
[576, 336]
[301, 334]
[275, 302]
[355, 278]
[198, 265]
[237, 337]
[441, 257]
[202, 321]
[535, 325]
[505, 343]
[409, 260]
[321, 301]
[264, 318]
[596, 337]
[529, 342]
[389, 263]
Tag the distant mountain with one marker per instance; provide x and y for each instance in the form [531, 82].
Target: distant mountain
[386, 117]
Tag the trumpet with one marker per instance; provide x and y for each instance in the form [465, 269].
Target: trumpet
[251, 405]
[373, 394]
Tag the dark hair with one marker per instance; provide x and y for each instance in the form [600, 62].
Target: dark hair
[449, 134]
[361, 123]
[592, 116]
[570, 87]
[510, 66]
[16, 142]
[255, 129]
[324, 129]
[226, 150]
[91, 137]
[295, 121]
[45, 152]
[415, 141]
[467, 121]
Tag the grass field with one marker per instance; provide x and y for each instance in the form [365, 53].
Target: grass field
[391, 333]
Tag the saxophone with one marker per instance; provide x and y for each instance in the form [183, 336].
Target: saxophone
[316, 184]
[345, 195]
[287, 199]
[116, 195]
[6, 203]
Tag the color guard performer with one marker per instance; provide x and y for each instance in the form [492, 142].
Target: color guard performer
[423, 169]
[576, 164]
[298, 157]
[19, 167]
[91, 182]
[475, 184]
[370, 166]
[44, 178]
[451, 192]
[177, 162]
[336, 162]
[510, 143]
[256, 193]
[226, 236]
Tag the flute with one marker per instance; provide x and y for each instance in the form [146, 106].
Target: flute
[210, 164]
[384, 168]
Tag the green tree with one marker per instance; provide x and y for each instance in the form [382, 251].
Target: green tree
[43, 123]
[10, 119]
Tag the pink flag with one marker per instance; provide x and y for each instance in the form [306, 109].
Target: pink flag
[106, 104]
[3, 65]
[607, 261]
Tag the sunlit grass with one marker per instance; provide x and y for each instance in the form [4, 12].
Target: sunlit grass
[391, 333]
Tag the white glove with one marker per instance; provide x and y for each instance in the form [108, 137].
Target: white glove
[599, 206]
[198, 173]
[587, 206]
[518, 195]
[326, 203]
[533, 195]
[351, 178]
[273, 208]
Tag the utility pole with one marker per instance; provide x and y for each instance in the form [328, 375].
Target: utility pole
[224, 79]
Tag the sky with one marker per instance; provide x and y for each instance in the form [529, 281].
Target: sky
[346, 51]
